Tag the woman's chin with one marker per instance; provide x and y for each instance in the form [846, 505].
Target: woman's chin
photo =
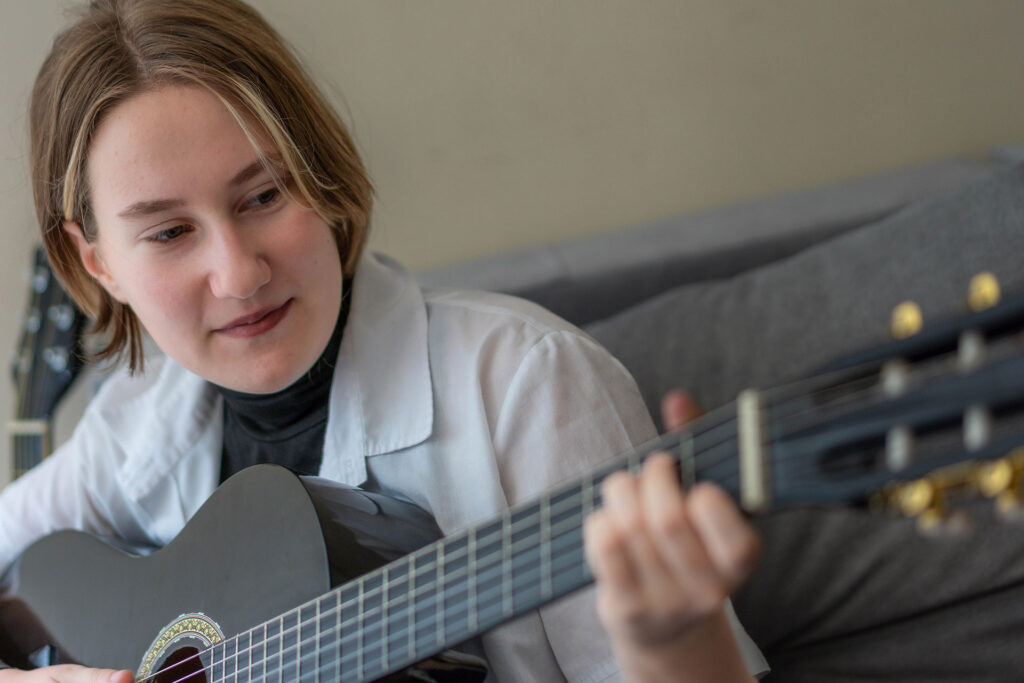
[260, 378]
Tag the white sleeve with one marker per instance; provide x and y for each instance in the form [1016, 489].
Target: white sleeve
[75, 488]
[570, 408]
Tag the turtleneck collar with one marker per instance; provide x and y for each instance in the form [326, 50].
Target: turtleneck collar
[287, 426]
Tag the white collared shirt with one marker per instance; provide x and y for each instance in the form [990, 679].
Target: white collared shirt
[464, 403]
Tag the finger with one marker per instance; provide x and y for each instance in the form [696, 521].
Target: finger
[730, 542]
[676, 539]
[625, 510]
[73, 673]
[605, 548]
[678, 408]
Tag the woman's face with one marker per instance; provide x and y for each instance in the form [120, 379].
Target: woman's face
[232, 279]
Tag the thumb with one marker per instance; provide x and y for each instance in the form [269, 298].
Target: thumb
[72, 673]
[678, 408]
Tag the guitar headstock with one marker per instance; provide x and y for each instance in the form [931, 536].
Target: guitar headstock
[49, 355]
[912, 425]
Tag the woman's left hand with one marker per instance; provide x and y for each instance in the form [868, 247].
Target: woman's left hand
[665, 561]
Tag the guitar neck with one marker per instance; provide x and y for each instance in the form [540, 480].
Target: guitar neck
[452, 590]
[31, 442]
[49, 357]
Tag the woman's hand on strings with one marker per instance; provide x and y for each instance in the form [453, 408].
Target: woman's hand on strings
[65, 673]
[665, 561]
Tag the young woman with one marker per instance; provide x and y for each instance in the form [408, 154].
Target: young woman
[191, 181]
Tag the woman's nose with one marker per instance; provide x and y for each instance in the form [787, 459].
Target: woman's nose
[238, 269]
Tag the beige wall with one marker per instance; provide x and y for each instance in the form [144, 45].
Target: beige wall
[493, 125]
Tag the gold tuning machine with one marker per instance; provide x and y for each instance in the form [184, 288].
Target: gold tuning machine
[907, 320]
[1001, 480]
[982, 291]
[927, 499]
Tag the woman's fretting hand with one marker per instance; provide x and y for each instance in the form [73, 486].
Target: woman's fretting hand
[665, 561]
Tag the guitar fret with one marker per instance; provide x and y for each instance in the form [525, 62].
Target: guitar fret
[280, 651]
[326, 654]
[338, 633]
[440, 593]
[217, 662]
[316, 645]
[359, 634]
[349, 621]
[456, 595]
[305, 667]
[257, 661]
[298, 647]
[506, 564]
[424, 627]
[545, 548]
[411, 618]
[384, 625]
[230, 660]
[243, 655]
[687, 463]
[238, 651]
[471, 577]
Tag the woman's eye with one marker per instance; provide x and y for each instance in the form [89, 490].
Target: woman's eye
[169, 234]
[265, 198]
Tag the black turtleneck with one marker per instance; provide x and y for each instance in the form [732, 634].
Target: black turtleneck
[287, 427]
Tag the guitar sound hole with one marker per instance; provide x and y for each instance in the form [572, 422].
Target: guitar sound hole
[183, 664]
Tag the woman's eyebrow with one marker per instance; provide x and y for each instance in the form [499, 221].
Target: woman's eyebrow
[247, 173]
[149, 207]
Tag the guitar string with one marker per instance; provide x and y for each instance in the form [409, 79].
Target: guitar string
[406, 636]
[398, 635]
[490, 597]
[526, 521]
[400, 616]
[529, 520]
[570, 524]
[662, 442]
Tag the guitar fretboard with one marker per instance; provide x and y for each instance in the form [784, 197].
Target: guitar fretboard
[30, 443]
[452, 590]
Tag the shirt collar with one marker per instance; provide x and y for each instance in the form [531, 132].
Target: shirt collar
[381, 396]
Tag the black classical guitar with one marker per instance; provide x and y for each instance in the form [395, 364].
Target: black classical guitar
[907, 426]
[48, 359]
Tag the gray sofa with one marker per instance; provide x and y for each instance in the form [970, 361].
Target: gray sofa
[758, 294]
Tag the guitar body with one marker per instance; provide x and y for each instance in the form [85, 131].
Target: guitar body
[264, 543]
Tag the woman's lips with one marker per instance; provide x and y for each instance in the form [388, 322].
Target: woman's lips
[257, 323]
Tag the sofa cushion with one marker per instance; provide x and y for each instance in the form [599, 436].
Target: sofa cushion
[592, 277]
[846, 595]
[782, 320]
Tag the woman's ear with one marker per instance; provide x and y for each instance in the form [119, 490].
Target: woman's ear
[92, 260]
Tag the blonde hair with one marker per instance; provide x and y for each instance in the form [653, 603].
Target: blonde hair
[118, 49]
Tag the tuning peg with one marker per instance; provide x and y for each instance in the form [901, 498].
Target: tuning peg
[33, 320]
[927, 500]
[56, 358]
[982, 291]
[40, 279]
[907, 320]
[1001, 481]
[62, 315]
